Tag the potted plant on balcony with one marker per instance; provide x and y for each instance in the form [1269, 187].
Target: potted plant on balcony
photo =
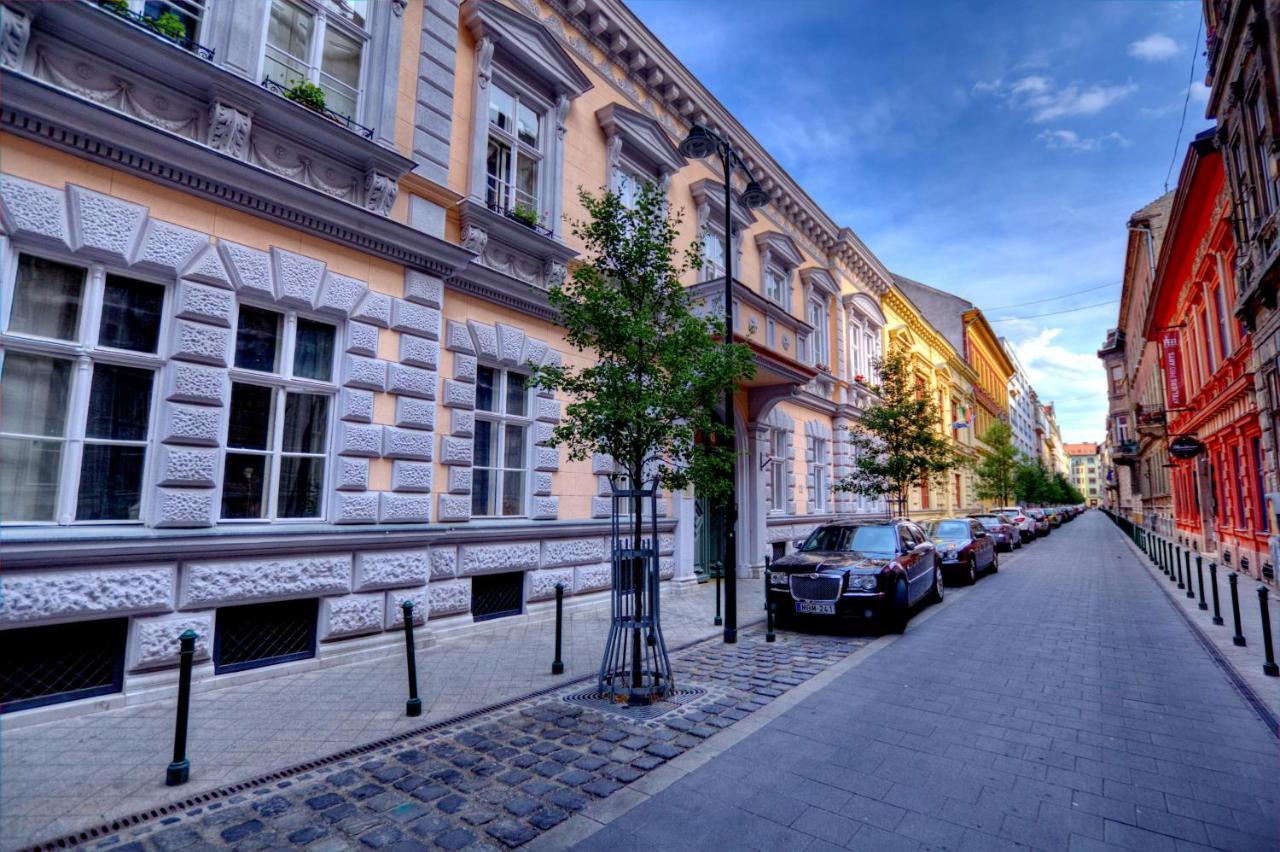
[525, 215]
[309, 95]
[120, 7]
[170, 26]
[860, 380]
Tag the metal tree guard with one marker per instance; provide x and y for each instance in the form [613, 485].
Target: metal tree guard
[635, 668]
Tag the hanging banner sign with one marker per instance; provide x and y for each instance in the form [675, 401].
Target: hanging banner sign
[1185, 447]
[1171, 361]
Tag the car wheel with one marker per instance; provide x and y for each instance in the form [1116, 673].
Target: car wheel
[995, 562]
[938, 591]
[895, 620]
[971, 571]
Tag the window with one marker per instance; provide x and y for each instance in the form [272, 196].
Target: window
[959, 491]
[817, 317]
[1260, 521]
[514, 153]
[1221, 312]
[1122, 428]
[1239, 471]
[820, 485]
[778, 470]
[627, 185]
[501, 443]
[278, 424]
[1269, 184]
[255, 635]
[73, 441]
[1117, 379]
[924, 493]
[777, 288]
[712, 255]
[1239, 164]
[317, 44]
[61, 662]
[1208, 341]
[189, 12]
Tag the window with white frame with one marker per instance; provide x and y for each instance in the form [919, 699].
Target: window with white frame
[627, 184]
[189, 12]
[713, 254]
[818, 500]
[80, 354]
[513, 157]
[777, 286]
[778, 470]
[501, 446]
[320, 43]
[279, 421]
[817, 349]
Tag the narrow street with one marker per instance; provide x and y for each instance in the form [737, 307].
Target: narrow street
[1062, 704]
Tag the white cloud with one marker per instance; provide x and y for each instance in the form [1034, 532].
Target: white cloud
[1199, 92]
[1156, 47]
[1069, 140]
[1039, 96]
[1073, 381]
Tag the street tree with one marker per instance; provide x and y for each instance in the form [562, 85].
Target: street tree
[1031, 482]
[996, 470]
[897, 443]
[654, 370]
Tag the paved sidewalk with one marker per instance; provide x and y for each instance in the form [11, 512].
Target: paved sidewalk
[1062, 705]
[72, 773]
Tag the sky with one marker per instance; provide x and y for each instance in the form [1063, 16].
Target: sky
[991, 148]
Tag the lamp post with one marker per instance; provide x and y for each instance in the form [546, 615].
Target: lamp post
[702, 142]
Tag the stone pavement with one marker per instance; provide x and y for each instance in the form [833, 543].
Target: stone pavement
[1060, 705]
[1247, 661]
[72, 773]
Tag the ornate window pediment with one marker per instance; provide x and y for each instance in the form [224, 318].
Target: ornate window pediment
[641, 141]
[526, 43]
[819, 281]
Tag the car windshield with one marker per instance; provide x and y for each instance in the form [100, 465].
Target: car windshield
[949, 529]
[989, 521]
[862, 539]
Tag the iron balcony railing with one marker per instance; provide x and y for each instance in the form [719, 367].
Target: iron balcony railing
[347, 121]
[148, 25]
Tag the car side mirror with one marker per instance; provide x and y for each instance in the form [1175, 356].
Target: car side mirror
[799, 543]
[982, 534]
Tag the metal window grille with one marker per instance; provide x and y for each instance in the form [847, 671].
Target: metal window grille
[497, 595]
[63, 662]
[254, 635]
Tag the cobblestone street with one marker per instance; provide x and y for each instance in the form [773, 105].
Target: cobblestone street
[1060, 704]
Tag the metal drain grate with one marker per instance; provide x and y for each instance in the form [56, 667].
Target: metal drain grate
[644, 712]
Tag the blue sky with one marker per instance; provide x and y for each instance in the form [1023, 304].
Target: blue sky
[994, 149]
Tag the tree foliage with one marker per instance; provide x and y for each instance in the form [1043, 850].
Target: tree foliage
[656, 371]
[995, 470]
[1033, 483]
[897, 443]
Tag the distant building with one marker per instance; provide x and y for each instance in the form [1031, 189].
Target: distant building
[1022, 407]
[1086, 470]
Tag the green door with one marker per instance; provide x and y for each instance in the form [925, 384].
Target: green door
[708, 539]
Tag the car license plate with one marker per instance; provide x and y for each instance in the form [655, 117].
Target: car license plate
[816, 607]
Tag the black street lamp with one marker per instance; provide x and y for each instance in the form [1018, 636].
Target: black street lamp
[702, 142]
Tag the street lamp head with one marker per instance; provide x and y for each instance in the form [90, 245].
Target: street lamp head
[754, 196]
[699, 144]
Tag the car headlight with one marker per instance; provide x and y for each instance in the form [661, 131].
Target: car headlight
[950, 554]
[777, 579]
[863, 583]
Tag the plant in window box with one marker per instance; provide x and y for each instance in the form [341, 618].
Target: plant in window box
[309, 95]
[170, 26]
[822, 367]
[525, 215]
[120, 7]
[860, 379]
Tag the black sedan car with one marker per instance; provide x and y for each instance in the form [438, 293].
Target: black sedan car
[1001, 528]
[857, 570]
[964, 547]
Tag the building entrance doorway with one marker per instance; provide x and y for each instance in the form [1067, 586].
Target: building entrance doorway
[708, 539]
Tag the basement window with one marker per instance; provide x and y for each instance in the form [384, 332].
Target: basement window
[497, 595]
[62, 662]
[255, 635]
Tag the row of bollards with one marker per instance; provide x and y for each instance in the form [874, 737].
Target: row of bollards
[1174, 561]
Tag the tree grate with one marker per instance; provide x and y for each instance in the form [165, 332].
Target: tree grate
[264, 634]
[62, 662]
[597, 700]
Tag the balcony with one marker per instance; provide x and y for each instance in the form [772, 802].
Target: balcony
[1125, 453]
[154, 26]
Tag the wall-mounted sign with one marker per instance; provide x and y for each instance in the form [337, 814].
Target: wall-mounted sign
[1171, 362]
[1185, 447]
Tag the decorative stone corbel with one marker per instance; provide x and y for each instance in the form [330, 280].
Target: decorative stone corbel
[229, 130]
[484, 61]
[562, 114]
[475, 239]
[15, 29]
[554, 274]
[613, 150]
[379, 192]
[397, 7]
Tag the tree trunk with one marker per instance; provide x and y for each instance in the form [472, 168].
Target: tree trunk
[637, 581]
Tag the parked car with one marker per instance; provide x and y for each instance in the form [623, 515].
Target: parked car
[1043, 527]
[857, 570]
[1022, 518]
[1001, 528]
[965, 546]
[1054, 516]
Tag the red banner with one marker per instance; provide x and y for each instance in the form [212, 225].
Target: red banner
[1171, 361]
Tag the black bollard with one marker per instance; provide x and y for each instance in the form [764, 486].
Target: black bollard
[1213, 581]
[1190, 587]
[412, 707]
[768, 604]
[1238, 639]
[1177, 557]
[1200, 579]
[179, 771]
[557, 665]
[719, 569]
[1269, 668]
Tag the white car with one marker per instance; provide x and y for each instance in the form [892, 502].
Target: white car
[1026, 524]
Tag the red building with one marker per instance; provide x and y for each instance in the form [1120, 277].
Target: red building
[1218, 495]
